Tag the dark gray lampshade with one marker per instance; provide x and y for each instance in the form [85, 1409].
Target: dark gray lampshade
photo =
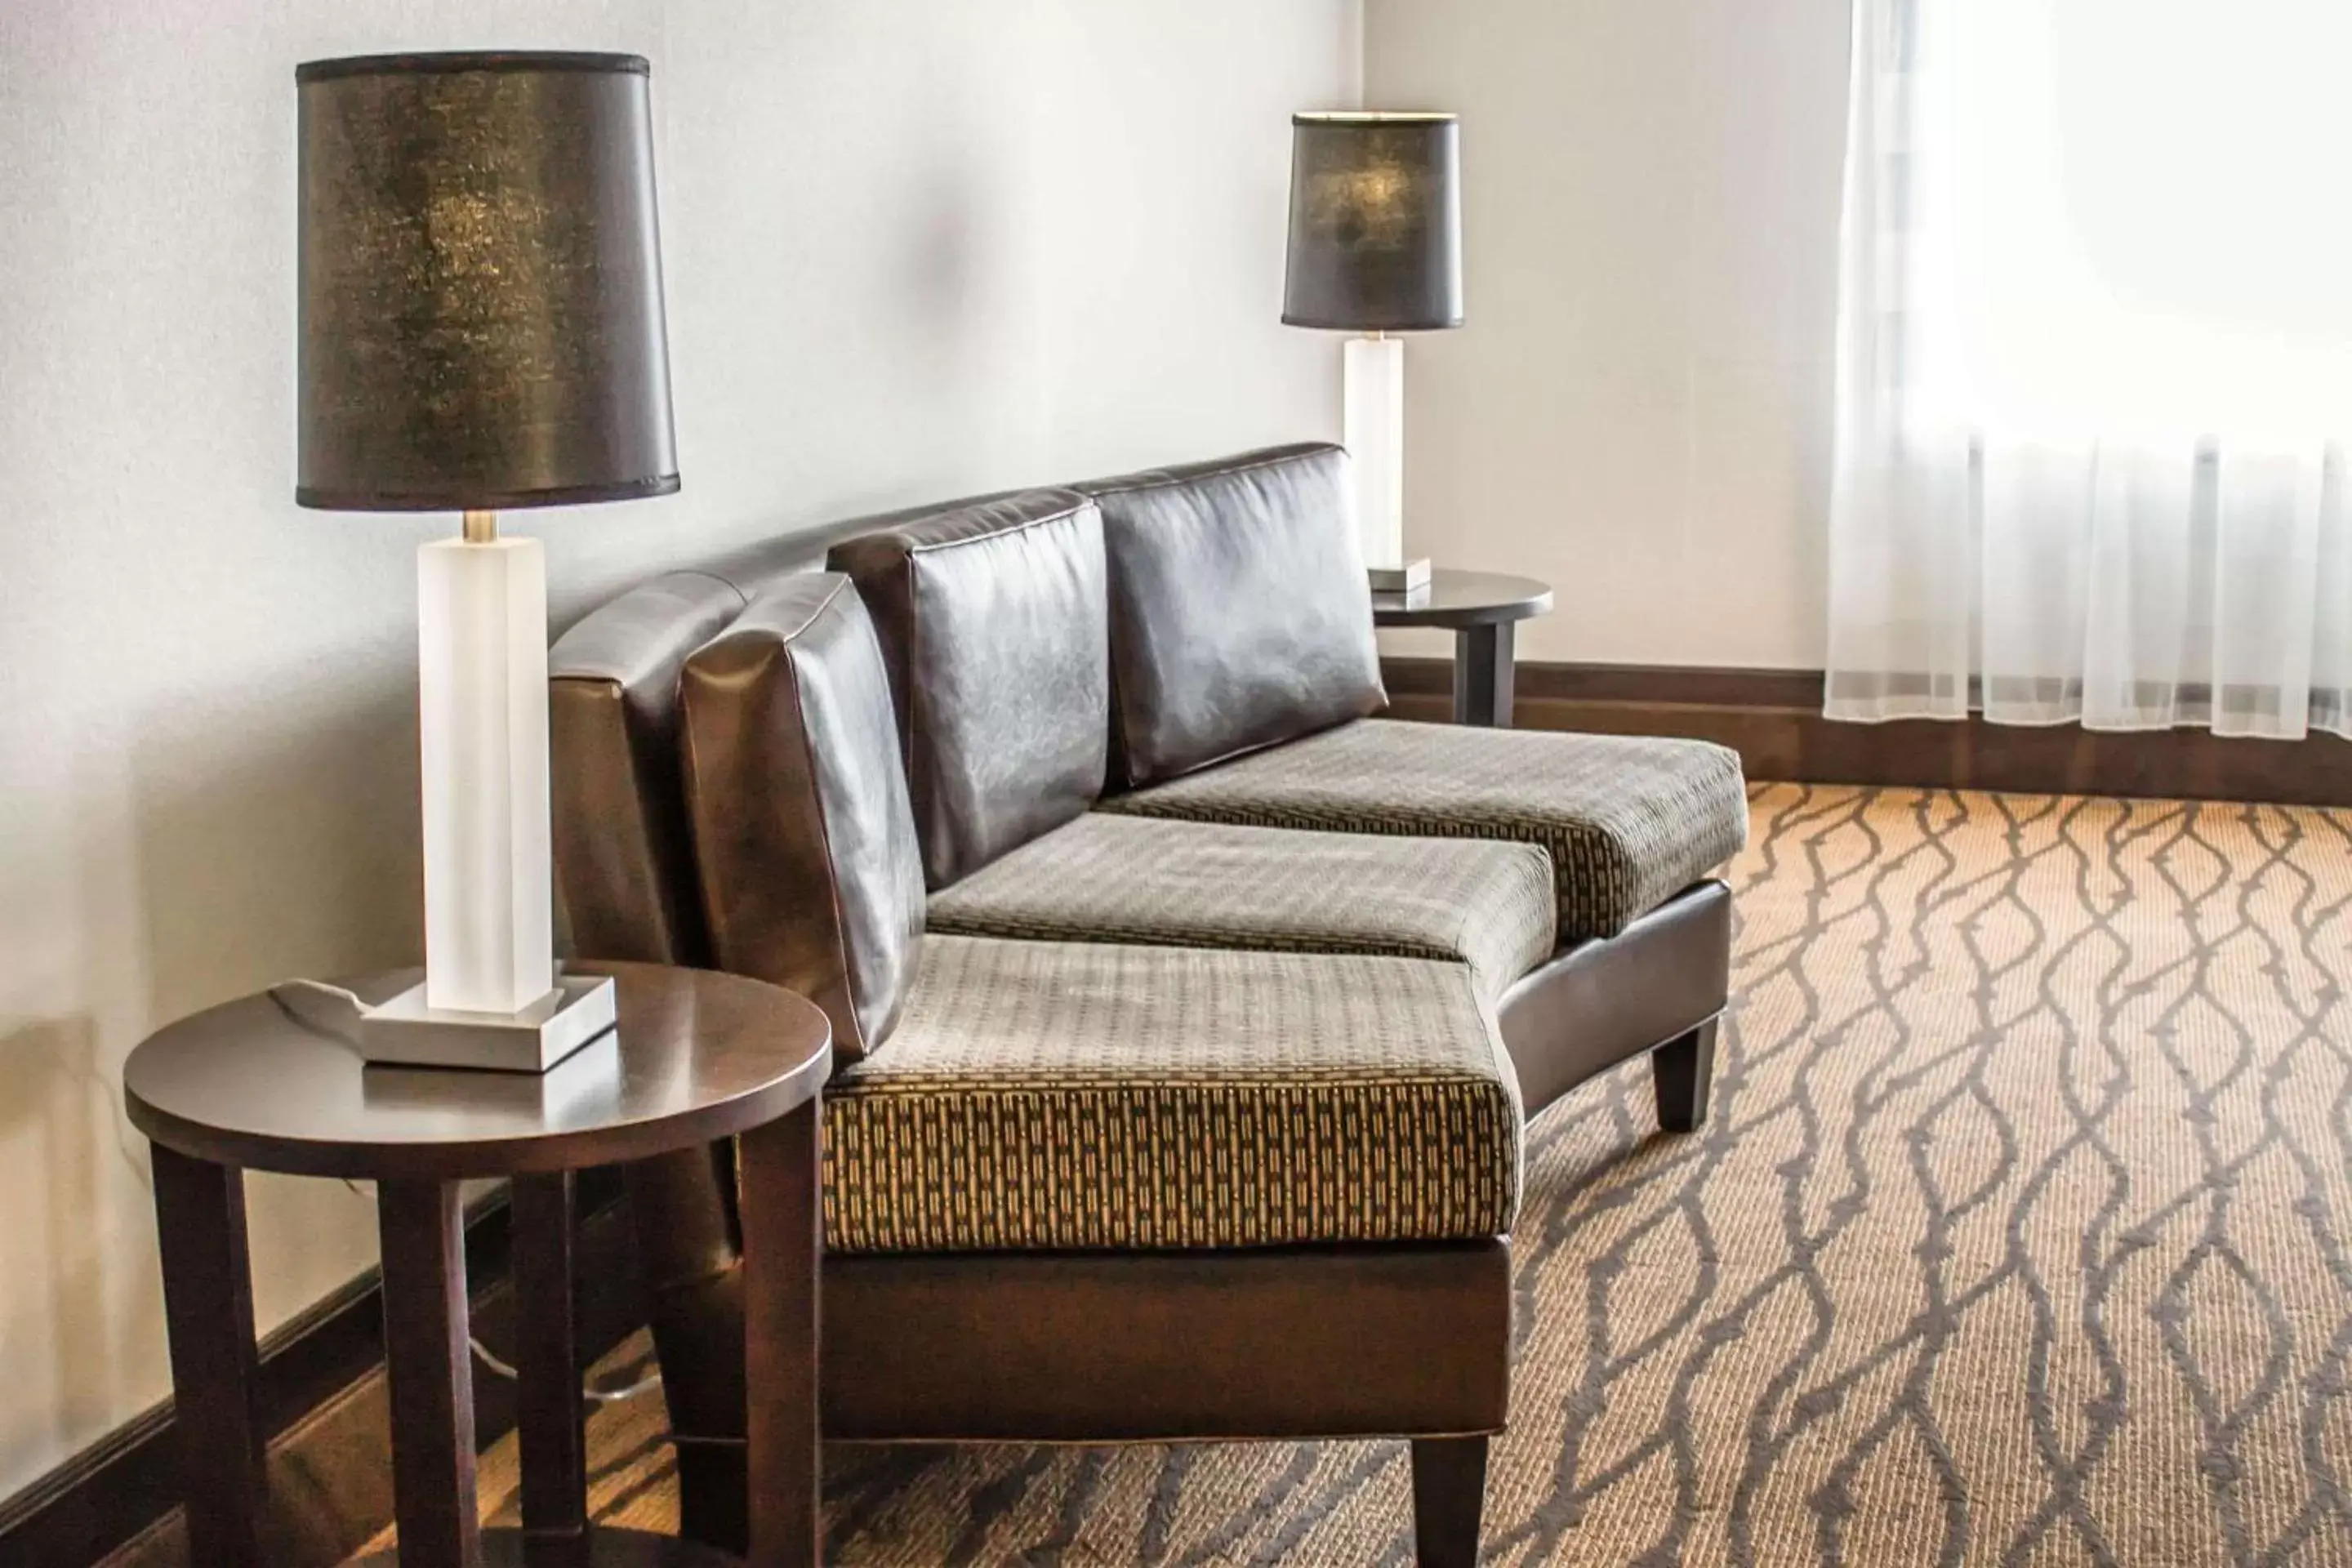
[1375, 222]
[481, 295]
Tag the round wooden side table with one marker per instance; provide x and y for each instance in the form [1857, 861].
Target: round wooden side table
[1482, 609]
[696, 1057]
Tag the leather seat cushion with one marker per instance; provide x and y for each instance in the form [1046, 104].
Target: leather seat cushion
[810, 875]
[1108, 877]
[1059, 1095]
[1629, 821]
[1240, 613]
[994, 622]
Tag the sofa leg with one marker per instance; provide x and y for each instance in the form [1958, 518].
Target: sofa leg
[712, 1507]
[1682, 1072]
[1449, 1493]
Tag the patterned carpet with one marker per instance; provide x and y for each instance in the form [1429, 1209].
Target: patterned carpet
[2020, 1236]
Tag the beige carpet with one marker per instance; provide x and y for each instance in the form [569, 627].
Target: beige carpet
[2019, 1237]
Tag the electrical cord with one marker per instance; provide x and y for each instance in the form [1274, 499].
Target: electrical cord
[498, 1368]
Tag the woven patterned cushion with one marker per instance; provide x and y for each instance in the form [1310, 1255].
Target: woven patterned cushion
[1197, 884]
[1061, 1095]
[1629, 821]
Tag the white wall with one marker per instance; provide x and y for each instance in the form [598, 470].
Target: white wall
[913, 249]
[1639, 408]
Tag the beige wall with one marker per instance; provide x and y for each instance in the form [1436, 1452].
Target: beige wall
[914, 249]
[1639, 408]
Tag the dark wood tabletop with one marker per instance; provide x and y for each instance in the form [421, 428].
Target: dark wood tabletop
[698, 1056]
[1458, 599]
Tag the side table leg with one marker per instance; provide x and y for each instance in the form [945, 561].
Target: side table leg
[782, 1185]
[431, 1373]
[547, 1359]
[216, 1361]
[1484, 675]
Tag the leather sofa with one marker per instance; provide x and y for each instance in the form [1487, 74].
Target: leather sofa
[1190, 1013]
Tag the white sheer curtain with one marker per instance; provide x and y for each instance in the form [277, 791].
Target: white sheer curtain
[2095, 346]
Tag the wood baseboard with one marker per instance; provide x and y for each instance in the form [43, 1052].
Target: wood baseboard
[1772, 718]
[325, 1406]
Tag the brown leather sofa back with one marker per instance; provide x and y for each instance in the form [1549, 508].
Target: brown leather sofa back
[624, 869]
[1241, 616]
[995, 625]
[624, 865]
[810, 875]
[624, 862]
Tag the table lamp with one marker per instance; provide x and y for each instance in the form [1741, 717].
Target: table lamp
[482, 329]
[1376, 249]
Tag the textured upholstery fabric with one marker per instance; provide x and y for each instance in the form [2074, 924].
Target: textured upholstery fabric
[810, 875]
[995, 621]
[1107, 877]
[1240, 613]
[1629, 821]
[1053, 1095]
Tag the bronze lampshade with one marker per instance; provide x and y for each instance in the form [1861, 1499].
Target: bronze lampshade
[480, 297]
[1375, 222]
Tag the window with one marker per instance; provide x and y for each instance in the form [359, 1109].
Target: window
[2135, 218]
[2095, 366]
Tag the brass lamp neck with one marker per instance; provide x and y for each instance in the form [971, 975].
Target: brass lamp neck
[481, 528]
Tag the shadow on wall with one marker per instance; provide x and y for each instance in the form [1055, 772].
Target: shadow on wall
[56, 1100]
[283, 846]
[266, 837]
[284, 843]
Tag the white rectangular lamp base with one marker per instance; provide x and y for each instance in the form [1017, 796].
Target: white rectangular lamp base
[409, 1031]
[585, 1082]
[1411, 577]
